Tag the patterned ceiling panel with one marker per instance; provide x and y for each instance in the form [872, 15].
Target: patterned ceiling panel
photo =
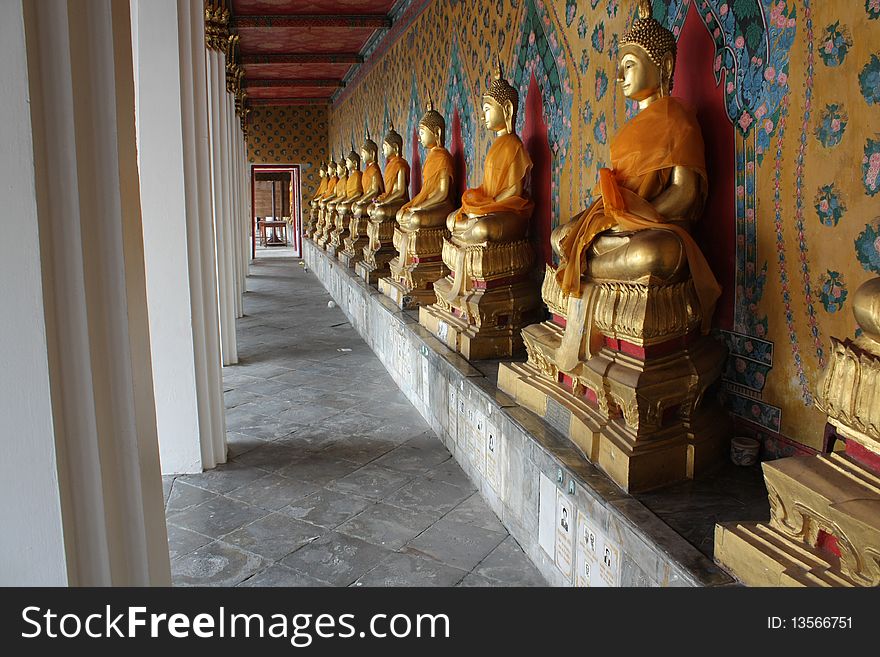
[258, 7]
[296, 71]
[290, 92]
[267, 40]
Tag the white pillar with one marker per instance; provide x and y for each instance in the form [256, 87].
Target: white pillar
[187, 392]
[217, 118]
[89, 454]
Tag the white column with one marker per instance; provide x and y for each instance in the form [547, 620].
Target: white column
[93, 459]
[219, 189]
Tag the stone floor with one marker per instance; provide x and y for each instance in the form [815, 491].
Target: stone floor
[334, 479]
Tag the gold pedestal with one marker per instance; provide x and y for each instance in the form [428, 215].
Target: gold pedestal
[312, 219]
[483, 316]
[380, 247]
[638, 407]
[339, 232]
[322, 236]
[416, 267]
[824, 527]
[353, 245]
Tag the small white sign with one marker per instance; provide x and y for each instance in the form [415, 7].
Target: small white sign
[452, 411]
[598, 557]
[494, 459]
[442, 330]
[547, 515]
[478, 446]
[564, 533]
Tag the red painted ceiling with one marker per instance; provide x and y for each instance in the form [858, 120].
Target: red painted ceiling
[341, 30]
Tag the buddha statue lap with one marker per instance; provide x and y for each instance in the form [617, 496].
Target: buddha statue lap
[312, 220]
[373, 186]
[421, 223]
[383, 212]
[824, 528]
[489, 296]
[353, 191]
[339, 195]
[329, 193]
[625, 361]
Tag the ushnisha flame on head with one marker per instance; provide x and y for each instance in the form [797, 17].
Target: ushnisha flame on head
[647, 33]
[433, 120]
[393, 138]
[501, 90]
[369, 145]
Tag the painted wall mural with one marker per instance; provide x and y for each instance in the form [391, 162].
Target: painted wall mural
[797, 84]
[290, 135]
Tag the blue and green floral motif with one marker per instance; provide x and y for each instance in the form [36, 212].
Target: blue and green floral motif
[601, 84]
[749, 346]
[746, 372]
[598, 38]
[832, 125]
[587, 112]
[871, 167]
[868, 247]
[582, 27]
[594, 3]
[600, 130]
[754, 410]
[835, 44]
[612, 8]
[570, 12]
[872, 7]
[869, 80]
[829, 205]
[834, 292]
[584, 65]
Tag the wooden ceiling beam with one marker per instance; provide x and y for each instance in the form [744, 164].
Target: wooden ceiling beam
[377, 21]
[314, 82]
[303, 58]
[288, 101]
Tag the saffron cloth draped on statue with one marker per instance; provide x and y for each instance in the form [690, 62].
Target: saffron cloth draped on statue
[394, 166]
[371, 173]
[643, 154]
[331, 188]
[353, 185]
[507, 164]
[321, 189]
[438, 162]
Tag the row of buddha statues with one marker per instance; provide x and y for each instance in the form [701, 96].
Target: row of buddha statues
[623, 363]
[619, 356]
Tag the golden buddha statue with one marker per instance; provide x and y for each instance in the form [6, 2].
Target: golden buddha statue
[824, 528]
[313, 204]
[383, 211]
[339, 194]
[489, 296]
[329, 193]
[353, 191]
[373, 186]
[421, 228]
[625, 352]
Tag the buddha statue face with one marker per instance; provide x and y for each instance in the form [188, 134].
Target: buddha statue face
[369, 151]
[340, 169]
[639, 77]
[353, 161]
[495, 116]
[427, 137]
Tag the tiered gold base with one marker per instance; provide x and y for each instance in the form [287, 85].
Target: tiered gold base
[637, 408]
[824, 528]
[353, 251]
[417, 266]
[311, 220]
[483, 317]
[339, 232]
[378, 252]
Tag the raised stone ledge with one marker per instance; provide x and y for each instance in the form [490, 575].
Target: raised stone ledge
[533, 455]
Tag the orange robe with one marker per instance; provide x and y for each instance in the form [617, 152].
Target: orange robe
[372, 173]
[394, 166]
[339, 192]
[330, 189]
[664, 135]
[321, 189]
[353, 187]
[437, 164]
[507, 165]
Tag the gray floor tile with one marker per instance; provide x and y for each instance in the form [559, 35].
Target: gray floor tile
[371, 481]
[239, 443]
[509, 564]
[318, 471]
[237, 397]
[411, 459]
[358, 450]
[215, 564]
[278, 575]
[273, 491]
[167, 481]
[473, 581]
[336, 558]
[475, 511]
[423, 494]
[270, 456]
[388, 526]
[408, 570]
[184, 496]
[327, 508]
[224, 478]
[462, 546]
[216, 517]
[274, 536]
[183, 541]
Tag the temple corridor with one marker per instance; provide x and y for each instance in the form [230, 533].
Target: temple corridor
[334, 479]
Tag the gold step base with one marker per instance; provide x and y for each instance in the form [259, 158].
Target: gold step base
[404, 297]
[472, 342]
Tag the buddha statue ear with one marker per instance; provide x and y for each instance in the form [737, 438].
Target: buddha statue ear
[508, 115]
[667, 66]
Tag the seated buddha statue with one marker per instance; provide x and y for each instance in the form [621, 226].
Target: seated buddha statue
[488, 296]
[329, 193]
[421, 227]
[373, 186]
[339, 195]
[353, 191]
[633, 294]
[383, 211]
[313, 203]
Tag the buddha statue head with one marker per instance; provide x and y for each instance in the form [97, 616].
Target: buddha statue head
[369, 149]
[647, 57]
[500, 102]
[432, 127]
[340, 166]
[353, 160]
[331, 167]
[393, 142]
[321, 172]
